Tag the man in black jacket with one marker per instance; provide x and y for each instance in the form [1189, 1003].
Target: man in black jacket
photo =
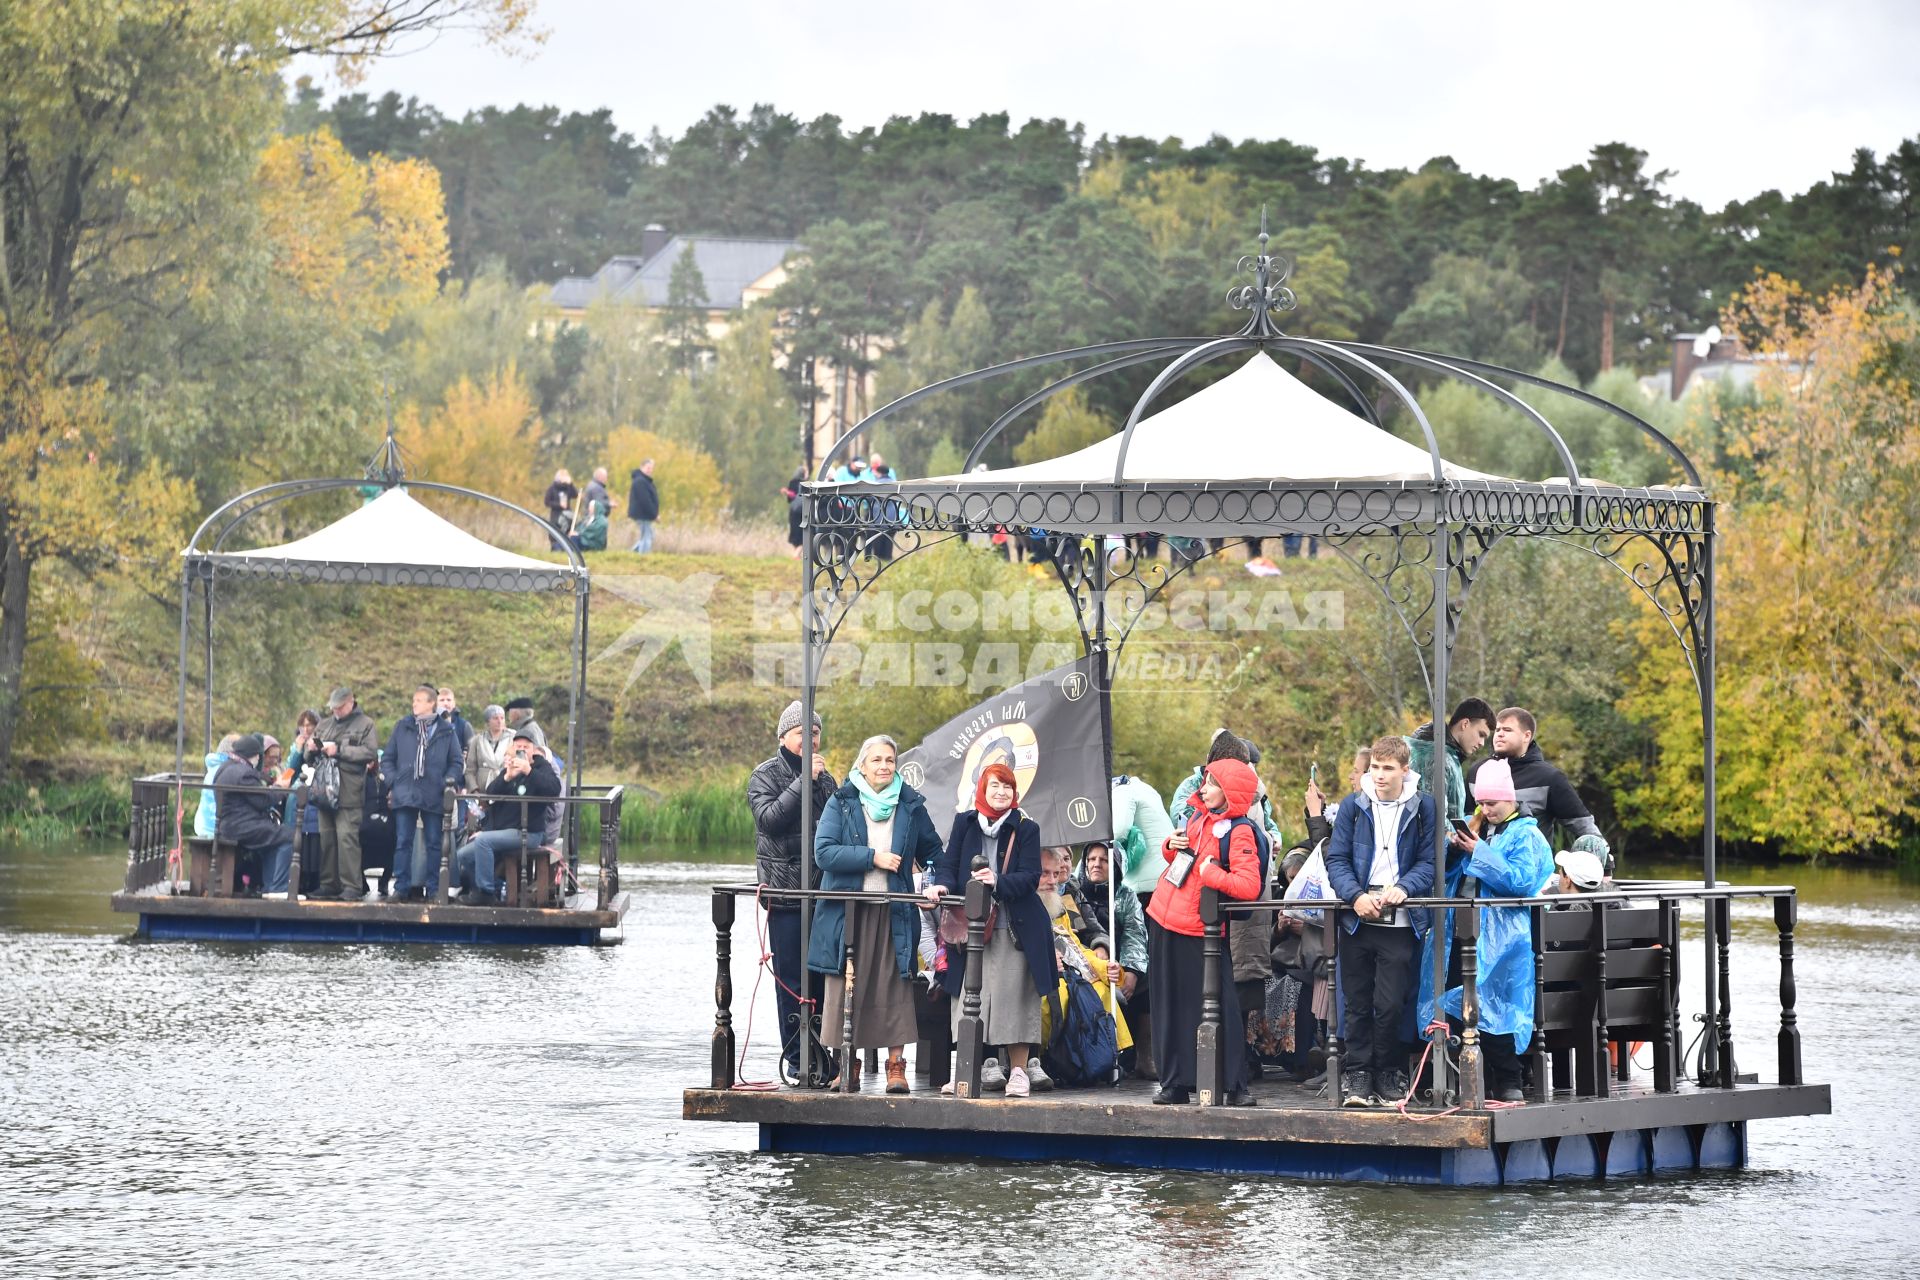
[643, 505]
[526, 774]
[774, 794]
[1543, 791]
[251, 820]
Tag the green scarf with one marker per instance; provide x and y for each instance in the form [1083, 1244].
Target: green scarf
[878, 804]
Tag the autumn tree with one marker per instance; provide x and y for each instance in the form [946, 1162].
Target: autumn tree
[1819, 588]
[131, 224]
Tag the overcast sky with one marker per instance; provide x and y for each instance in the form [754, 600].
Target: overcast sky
[1733, 97]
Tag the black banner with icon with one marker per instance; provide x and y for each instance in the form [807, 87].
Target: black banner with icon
[1047, 730]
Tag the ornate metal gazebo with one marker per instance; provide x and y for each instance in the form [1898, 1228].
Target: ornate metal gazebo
[1421, 540]
[390, 541]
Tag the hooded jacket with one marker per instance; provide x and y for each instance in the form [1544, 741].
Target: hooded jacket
[841, 852]
[1420, 747]
[1177, 908]
[207, 814]
[1544, 793]
[1513, 862]
[1350, 851]
[247, 820]
[643, 497]
[418, 786]
[1140, 827]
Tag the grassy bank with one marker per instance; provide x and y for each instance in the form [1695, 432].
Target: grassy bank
[59, 811]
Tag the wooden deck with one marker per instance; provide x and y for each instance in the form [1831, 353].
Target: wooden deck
[167, 916]
[1290, 1131]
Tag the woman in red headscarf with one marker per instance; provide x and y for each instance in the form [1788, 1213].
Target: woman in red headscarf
[998, 845]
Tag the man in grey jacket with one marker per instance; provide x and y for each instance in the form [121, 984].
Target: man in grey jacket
[774, 793]
[347, 734]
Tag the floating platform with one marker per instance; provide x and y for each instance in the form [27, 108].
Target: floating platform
[1290, 1132]
[580, 922]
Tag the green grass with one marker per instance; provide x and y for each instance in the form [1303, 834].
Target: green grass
[702, 814]
[59, 811]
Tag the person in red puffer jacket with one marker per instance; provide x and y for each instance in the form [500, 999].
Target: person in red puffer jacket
[1225, 857]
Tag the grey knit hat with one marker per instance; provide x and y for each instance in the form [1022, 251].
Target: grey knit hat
[790, 720]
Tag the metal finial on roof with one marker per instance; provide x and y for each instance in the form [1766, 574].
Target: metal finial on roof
[1268, 293]
[388, 466]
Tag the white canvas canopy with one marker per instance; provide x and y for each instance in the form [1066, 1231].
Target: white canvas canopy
[395, 541]
[1258, 423]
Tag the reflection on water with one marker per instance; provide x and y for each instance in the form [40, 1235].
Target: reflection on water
[407, 1111]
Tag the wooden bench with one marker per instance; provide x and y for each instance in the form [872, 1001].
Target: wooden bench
[528, 882]
[1602, 977]
[212, 868]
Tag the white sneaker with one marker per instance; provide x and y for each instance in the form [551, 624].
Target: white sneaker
[1037, 1076]
[273, 897]
[1017, 1083]
[947, 1088]
[992, 1078]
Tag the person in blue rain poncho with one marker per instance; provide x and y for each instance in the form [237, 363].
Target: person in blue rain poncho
[1510, 859]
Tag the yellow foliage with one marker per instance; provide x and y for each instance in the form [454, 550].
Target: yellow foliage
[484, 436]
[1819, 588]
[691, 491]
[61, 493]
[368, 240]
[1066, 425]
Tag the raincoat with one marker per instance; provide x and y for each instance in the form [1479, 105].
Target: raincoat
[1512, 863]
[1139, 826]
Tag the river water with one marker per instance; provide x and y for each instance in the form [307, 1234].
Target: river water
[373, 1112]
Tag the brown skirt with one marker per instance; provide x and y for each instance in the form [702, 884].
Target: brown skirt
[882, 1000]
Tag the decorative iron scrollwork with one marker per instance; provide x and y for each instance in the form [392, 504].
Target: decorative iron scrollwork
[1267, 292]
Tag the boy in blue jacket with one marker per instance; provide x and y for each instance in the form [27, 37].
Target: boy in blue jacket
[1380, 855]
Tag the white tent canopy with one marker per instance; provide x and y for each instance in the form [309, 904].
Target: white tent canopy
[395, 541]
[1257, 423]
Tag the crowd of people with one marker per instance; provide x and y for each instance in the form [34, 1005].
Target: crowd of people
[583, 517]
[1122, 917]
[356, 804]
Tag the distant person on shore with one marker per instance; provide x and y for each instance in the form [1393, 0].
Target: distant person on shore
[1542, 791]
[1380, 855]
[795, 508]
[348, 735]
[774, 795]
[590, 530]
[421, 761]
[560, 500]
[1017, 969]
[596, 490]
[526, 774]
[852, 469]
[873, 834]
[520, 716]
[1216, 849]
[249, 821]
[643, 505]
[878, 472]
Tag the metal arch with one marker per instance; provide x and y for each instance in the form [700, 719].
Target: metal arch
[1047, 392]
[1498, 392]
[281, 491]
[1586, 397]
[1609, 546]
[1191, 360]
[838, 603]
[1393, 384]
[981, 375]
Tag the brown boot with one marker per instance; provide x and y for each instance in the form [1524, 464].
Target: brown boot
[897, 1075]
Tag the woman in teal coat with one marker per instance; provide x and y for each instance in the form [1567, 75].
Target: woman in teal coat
[872, 834]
